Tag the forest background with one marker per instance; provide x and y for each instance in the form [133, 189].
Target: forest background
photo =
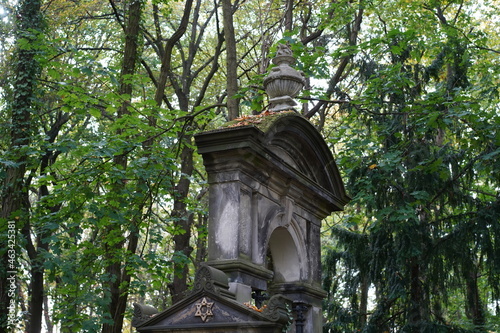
[103, 197]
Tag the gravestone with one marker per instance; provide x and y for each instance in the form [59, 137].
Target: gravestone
[272, 180]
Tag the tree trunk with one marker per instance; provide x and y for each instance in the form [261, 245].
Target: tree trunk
[15, 189]
[183, 221]
[474, 305]
[36, 296]
[231, 61]
[288, 15]
[13, 197]
[363, 302]
[201, 242]
[166, 66]
[418, 312]
[119, 285]
[36, 251]
[48, 321]
[414, 314]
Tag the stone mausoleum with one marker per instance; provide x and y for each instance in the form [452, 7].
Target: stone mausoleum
[272, 180]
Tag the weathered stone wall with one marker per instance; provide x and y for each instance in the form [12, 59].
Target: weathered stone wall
[272, 181]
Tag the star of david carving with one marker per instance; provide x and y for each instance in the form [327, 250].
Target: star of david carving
[204, 309]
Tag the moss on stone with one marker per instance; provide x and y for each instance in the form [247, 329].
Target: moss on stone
[262, 121]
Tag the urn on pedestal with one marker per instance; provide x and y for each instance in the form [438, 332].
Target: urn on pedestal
[284, 82]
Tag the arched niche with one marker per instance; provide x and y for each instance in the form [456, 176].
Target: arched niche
[284, 252]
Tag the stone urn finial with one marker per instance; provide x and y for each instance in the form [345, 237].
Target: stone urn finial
[284, 82]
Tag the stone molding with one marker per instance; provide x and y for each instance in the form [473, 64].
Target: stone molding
[210, 308]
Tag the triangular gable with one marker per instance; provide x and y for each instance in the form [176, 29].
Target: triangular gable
[209, 306]
[203, 309]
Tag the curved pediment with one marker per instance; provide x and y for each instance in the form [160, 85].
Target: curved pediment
[297, 142]
[284, 142]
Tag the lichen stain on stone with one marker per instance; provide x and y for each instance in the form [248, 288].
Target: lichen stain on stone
[183, 315]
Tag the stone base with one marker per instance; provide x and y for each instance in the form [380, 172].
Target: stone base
[242, 292]
[282, 103]
[244, 272]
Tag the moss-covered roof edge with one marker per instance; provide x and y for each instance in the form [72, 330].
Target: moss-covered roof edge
[262, 121]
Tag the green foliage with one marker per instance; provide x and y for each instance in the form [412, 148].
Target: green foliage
[417, 146]
[409, 99]
[85, 207]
